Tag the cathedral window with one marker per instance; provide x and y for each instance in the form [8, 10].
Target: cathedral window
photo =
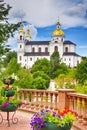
[64, 59]
[20, 58]
[61, 39]
[33, 49]
[20, 46]
[66, 49]
[77, 62]
[46, 49]
[39, 49]
[56, 48]
[20, 37]
[30, 59]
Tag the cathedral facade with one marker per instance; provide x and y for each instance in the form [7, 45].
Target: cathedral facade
[30, 51]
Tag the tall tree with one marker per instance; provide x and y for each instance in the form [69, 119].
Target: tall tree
[6, 28]
[8, 57]
[41, 65]
[54, 64]
[81, 72]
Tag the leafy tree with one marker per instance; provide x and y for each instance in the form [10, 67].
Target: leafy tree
[43, 76]
[9, 56]
[81, 72]
[54, 64]
[62, 69]
[84, 58]
[39, 83]
[24, 79]
[6, 28]
[41, 65]
[12, 67]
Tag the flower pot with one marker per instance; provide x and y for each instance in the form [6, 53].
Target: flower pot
[52, 126]
[8, 81]
[9, 108]
[10, 93]
[7, 93]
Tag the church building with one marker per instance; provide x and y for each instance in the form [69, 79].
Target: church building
[30, 51]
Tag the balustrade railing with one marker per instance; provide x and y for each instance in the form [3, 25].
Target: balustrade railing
[34, 100]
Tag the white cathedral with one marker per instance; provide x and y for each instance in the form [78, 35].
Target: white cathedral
[30, 51]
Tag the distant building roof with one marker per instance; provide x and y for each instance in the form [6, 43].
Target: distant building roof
[36, 42]
[70, 54]
[36, 54]
[69, 42]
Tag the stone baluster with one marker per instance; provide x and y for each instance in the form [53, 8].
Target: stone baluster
[27, 99]
[51, 100]
[56, 103]
[32, 100]
[42, 104]
[46, 105]
[80, 110]
[75, 104]
[37, 100]
[85, 112]
[71, 103]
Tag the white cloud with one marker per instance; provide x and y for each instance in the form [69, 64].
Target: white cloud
[46, 12]
[42, 13]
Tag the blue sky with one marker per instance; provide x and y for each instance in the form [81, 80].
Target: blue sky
[42, 15]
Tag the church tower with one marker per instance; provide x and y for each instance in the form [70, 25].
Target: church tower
[28, 36]
[57, 40]
[21, 45]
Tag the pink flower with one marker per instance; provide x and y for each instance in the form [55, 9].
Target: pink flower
[5, 104]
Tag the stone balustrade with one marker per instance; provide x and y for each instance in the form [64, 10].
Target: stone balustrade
[34, 100]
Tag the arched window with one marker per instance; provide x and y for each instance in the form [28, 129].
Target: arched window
[56, 48]
[20, 58]
[66, 49]
[20, 46]
[39, 49]
[33, 49]
[46, 49]
[77, 62]
[20, 37]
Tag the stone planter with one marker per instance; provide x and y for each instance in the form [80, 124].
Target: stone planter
[52, 126]
[9, 108]
[7, 93]
[10, 93]
[8, 81]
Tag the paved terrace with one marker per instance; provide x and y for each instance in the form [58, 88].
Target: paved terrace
[24, 122]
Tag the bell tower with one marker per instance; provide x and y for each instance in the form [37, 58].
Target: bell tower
[21, 45]
[58, 34]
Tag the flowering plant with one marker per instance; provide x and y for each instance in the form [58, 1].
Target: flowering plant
[61, 118]
[10, 105]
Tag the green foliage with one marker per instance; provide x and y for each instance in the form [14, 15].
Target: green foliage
[81, 89]
[9, 56]
[6, 28]
[81, 72]
[41, 65]
[43, 76]
[24, 79]
[56, 67]
[12, 67]
[39, 83]
[54, 64]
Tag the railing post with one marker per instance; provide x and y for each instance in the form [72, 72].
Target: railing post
[63, 98]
